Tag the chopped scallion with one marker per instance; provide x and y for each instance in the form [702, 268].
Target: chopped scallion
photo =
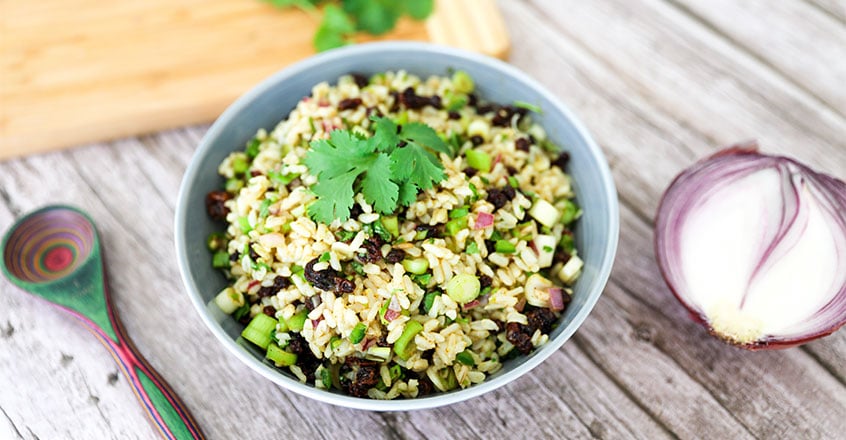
[459, 212]
[479, 160]
[417, 266]
[404, 346]
[259, 329]
[279, 356]
[472, 248]
[528, 106]
[220, 260]
[357, 333]
[297, 321]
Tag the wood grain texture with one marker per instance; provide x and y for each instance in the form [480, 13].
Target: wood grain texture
[657, 83]
[83, 70]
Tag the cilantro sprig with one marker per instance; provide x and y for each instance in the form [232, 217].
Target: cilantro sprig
[388, 168]
[340, 23]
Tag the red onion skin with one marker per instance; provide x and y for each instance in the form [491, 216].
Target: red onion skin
[483, 220]
[837, 186]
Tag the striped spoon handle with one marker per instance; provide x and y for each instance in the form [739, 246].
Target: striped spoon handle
[169, 415]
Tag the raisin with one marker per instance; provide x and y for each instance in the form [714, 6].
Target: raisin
[476, 140]
[372, 252]
[269, 311]
[281, 282]
[562, 160]
[511, 170]
[490, 245]
[500, 196]
[253, 254]
[365, 378]
[518, 335]
[424, 386]
[328, 279]
[454, 115]
[349, 103]
[485, 281]
[215, 204]
[267, 291]
[395, 256]
[360, 80]
[522, 144]
[540, 318]
[470, 171]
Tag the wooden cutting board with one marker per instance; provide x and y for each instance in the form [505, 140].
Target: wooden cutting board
[79, 71]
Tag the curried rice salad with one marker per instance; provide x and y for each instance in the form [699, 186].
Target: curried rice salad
[396, 236]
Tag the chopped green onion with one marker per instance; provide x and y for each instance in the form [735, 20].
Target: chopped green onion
[567, 243]
[384, 309]
[505, 247]
[528, 106]
[453, 226]
[462, 82]
[479, 160]
[282, 179]
[297, 321]
[229, 300]
[463, 288]
[404, 346]
[570, 212]
[358, 268]
[326, 378]
[253, 148]
[422, 280]
[381, 231]
[513, 182]
[345, 235]
[286, 228]
[240, 165]
[395, 372]
[220, 260]
[357, 333]
[297, 269]
[472, 248]
[233, 185]
[455, 143]
[279, 356]
[417, 266]
[455, 101]
[547, 249]
[475, 193]
[420, 235]
[311, 124]
[259, 329]
[459, 212]
[496, 235]
[241, 312]
[334, 342]
[264, 208]
[244, 224]
[377, 353]
[391, 225]
[324, 257]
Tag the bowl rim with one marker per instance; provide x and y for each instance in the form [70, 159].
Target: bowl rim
[594, 291]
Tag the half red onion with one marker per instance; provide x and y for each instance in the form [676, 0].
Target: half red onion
[755, 247]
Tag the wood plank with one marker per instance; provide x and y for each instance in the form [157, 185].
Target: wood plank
[80, 71]
[796, 40]
[704, 82]
[836, 8]
[635, 267]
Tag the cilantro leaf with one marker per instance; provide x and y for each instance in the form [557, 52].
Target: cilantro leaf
[407, 194]
[419, 9]
[419, 133]
[374, 16]
[334, 197]
[377, 187]
[386, 174]
[385, 136]
[417, 165]
[335, 29]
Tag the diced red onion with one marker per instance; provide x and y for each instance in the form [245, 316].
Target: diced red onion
[394, 304]
[556, 299]
[483, 220]
[390, 315]
[755, 247]
[520, 304]
[315, 322]
[478, 302]
[252, 284]
[367, 343]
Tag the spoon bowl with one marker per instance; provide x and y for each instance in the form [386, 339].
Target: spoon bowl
[54, 253]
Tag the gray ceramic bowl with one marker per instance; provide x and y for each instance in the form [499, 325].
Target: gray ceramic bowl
[269, 102]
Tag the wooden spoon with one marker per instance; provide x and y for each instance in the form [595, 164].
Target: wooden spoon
[54, 253]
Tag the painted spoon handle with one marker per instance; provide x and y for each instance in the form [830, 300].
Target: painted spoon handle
[169, 415]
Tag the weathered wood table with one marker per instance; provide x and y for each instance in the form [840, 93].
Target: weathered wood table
[660, 83]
